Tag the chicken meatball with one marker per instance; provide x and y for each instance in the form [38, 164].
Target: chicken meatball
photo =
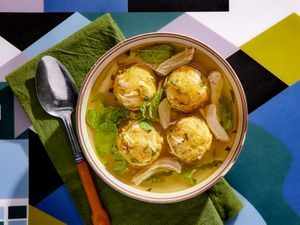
[135, 85]
[189, 139]
[140, 147]
[186, 89]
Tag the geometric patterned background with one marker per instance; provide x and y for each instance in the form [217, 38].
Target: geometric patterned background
[112, 6]
[260, 39]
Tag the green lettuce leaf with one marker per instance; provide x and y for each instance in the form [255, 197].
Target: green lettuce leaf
[156, 53]
[153, 107]
[157, 177]
[117, 113]
[121, 165]
[149, 109]
[105, 137]
[209, 165]
[97, 113]
[226, 115]
[93, 118]
[188, 172]
[105, 121]
[187, 175]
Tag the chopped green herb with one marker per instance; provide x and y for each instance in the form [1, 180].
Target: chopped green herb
[226, 115]
[186, 137]
[202, 84]
[146, 98]
[145, 149]
[135, 160]
[145, 126]
[156, 53]
[174, 82]
[143, 109]
[153, 152]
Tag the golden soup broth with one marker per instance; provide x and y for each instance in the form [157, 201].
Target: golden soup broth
[218, 151]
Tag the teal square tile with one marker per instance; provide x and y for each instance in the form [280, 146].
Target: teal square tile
[6, 112]
[17, 212]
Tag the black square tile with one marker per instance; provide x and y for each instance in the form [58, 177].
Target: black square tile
[177, 5]
[259, 84]
[43, 177]
[23, 29]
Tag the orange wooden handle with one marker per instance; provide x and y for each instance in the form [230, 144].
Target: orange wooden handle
[99, 215]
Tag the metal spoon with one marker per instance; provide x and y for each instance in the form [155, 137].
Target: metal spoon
[57, 95]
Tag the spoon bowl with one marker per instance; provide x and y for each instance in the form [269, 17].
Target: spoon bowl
[55, 87]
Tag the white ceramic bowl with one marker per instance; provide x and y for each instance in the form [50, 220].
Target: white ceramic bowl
[87, 146]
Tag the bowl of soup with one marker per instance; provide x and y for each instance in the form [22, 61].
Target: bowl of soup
[161, 117]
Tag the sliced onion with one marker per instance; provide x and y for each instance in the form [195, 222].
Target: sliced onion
[180, 59]
[163, 164]
[164, 113]
[214, 124]
[216, 84]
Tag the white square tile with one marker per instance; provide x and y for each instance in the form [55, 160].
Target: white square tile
[246, 18]
[7, 52]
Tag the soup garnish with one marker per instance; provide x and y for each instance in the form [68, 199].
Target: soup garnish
[157, 121]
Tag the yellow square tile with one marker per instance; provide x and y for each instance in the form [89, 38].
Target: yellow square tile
[38, 217]
[278, 49]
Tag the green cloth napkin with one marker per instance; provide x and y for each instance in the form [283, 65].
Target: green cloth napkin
[78, 53]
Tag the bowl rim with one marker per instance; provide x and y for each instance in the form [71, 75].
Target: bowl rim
[241, 138]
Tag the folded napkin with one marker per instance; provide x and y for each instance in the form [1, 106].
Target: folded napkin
[78, 53]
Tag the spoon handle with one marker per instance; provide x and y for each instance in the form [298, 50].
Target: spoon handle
[78, 157]
[99, 215]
